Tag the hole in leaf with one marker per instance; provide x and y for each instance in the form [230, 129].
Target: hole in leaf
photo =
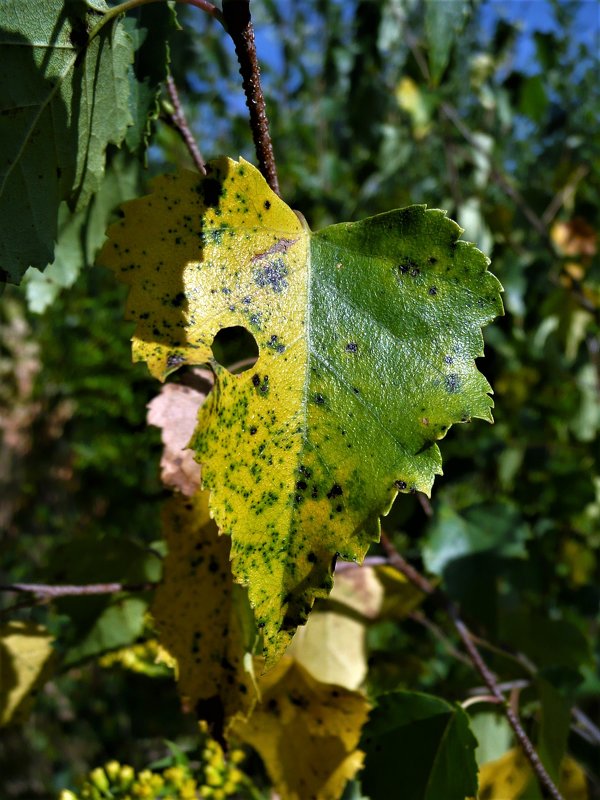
[235, 348]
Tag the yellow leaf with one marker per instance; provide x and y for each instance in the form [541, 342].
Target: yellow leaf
[575, 237]
[414, 101]
[358, 589]
[26, 657]
[508, 777]
[331, 646]
[401, 597]
[306, 732]
[199, 615]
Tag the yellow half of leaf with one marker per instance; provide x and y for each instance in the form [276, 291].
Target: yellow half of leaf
[306, 733]
[25, 660]
[367, 334]
[200, 615]
[508, 777]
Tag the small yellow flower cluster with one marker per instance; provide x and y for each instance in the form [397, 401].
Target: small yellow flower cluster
[222, 778]
[218, 780]
[115, 781]
[147, 658]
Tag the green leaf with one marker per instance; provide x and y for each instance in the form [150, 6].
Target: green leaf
[554, 727]
[482, 528]
[548, 642]
[149, 30]
[103, 622]
[120, 623]
[367, 334]
[444, 19]
[69, 102]
[493, 733]
[421, 744]
[533, 100]
[80, 234]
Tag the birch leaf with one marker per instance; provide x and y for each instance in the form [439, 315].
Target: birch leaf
[424, 740]
[199, 615]
[322, 721]
[510, 776]
[367, 334]
[25, 659]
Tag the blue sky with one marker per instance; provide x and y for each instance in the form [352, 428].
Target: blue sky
[538, 16]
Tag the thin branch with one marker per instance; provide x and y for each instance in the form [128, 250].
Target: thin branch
[452, 114]
[181, 125]
[564, 195]
[49, 591]
[129, 5]
[480, 698]
[425, 503]
[418, 616]
[369, 561]
[238, 23]
[592, 732]
[421, 582]
[505, 686]
[30, 602]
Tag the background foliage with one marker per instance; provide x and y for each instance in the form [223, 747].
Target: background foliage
[373, 106]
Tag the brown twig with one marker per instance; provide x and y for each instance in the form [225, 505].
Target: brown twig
[564, 195]
[421, 619]
[425, 503]
[238, 23]
[547, 785]
[180, 124]
[49, 591]
[511, 191]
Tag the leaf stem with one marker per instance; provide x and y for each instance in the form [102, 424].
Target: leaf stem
[238, 23]
[180, 123]
[420, 581]
[128, 5]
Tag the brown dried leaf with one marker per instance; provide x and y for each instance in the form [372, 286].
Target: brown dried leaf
[174, 411]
